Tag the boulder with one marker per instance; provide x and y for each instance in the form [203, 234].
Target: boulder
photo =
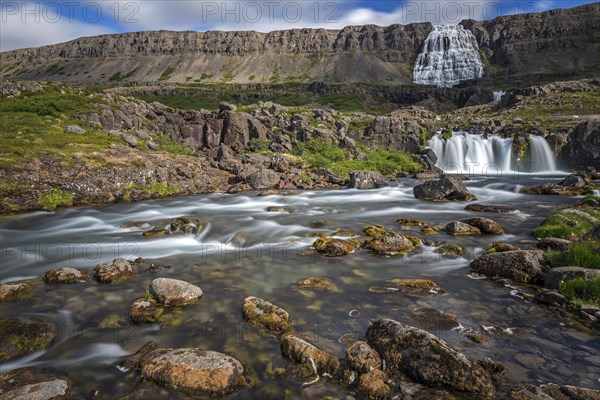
[334, 247]
[76, 129]
[225, 106]
[528, 266]
[445, 189]
[263, 179]
[499, 247]
[551, 243]
[434, 320]
[302, 352]
[23, 335]
[457, 228]
[390, 245]
[15, 290]
[557, 275]
[367, 180]
[484, 225]
[261, 312]
[129, 139]
[362, 358]
[173, 292]
[315, 282]
[583, 145]
[114, 271]
[64, 275]
[426, 358]
[31, 383]
[552, 297]
[193, 370]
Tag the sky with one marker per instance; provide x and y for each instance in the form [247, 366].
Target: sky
[35, 23]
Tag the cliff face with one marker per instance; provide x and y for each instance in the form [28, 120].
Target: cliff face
[530, 46]
[552, 44]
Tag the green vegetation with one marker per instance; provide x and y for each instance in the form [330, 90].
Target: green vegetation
[259, 145]
[447, 134]
[584, 254]
[166, 75]
[117, 77]
[204, 76]
[566, 225]
[579, 291]
[323, 153]
[161, 189]
[251, 77]
[276, 77]
[227, 77]
[423, 135]
[173, 146]
[56, 198]
[48, 102]
[360, 124]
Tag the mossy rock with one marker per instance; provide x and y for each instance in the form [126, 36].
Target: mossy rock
[13, 291]
[411, 222]
[314, 282]
[23, 335]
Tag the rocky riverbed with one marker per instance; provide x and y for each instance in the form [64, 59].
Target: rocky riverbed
[341, 293]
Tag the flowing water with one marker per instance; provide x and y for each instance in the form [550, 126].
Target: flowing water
[449, 55]
[244, 250]
[492, 155]
[498, 95]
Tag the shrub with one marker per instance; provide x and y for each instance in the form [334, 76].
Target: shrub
[259, 145]
[56, 198]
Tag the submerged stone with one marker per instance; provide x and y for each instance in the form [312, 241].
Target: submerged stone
[268, 315]
[33, 384]
[64, 275]
[15, 290]
[23, 335]
[114, 271]
[302, 352]
[173, 292]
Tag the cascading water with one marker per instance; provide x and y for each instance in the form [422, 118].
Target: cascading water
[498, 95]
[466, 153]
[450, 54]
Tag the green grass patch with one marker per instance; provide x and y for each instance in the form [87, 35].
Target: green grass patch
[161, 189]
[579, 291]
[323, 153]
[360, 124]
[56, 198]
[48, 102]
[117, 77]
[584, 254]
[557, 225]
[166, 75]
[173, 146]
[259, 145]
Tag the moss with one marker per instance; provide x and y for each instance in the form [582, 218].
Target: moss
[56, 198]
[161, 189]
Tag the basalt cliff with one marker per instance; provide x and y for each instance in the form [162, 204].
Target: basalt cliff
[543, 46]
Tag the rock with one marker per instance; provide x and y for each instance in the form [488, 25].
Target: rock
[450, 250]
[193, 370]
[129, 139]
[145, 310]
[112, 321]
[457, 228]
[411, 222]
[582, 145]
[225, 106]
[76, 129]
[153, 145]
[23, 335]
[173, 292]
[592, 234]
[434, 320]
[430, 158]
[362, 358]
[418, 285]
[156, 233]
[263, 179]
[386, 242]
[280, 164]
[32, 384]
[529, 266]
[484, 225]
[367, 180]
[448, 188]
[561, 274]
[64, 275]
[114, 271]
[302, 352]
[555, 392]
[547, 296]
[15, 290]
[492, 367]
[261, 312]
[478, 337]
[426, 358]
[372, 385]
[499, 247]
[573, 181]
[551, 243]
[318, 283]
[334, 247]
[489, 208]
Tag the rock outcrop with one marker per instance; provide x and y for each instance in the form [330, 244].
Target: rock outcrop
[528, 266]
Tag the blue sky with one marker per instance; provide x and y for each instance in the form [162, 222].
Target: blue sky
[36, 23]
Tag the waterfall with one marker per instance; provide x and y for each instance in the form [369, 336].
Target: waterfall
[498, 95]
[450, 54]
[468, 154]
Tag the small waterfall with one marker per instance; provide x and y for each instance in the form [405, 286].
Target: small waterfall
[450, 54]
[474, 154]
[498, 95]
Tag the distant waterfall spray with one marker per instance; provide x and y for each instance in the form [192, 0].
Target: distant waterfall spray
[450, 54]
[466, 153]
